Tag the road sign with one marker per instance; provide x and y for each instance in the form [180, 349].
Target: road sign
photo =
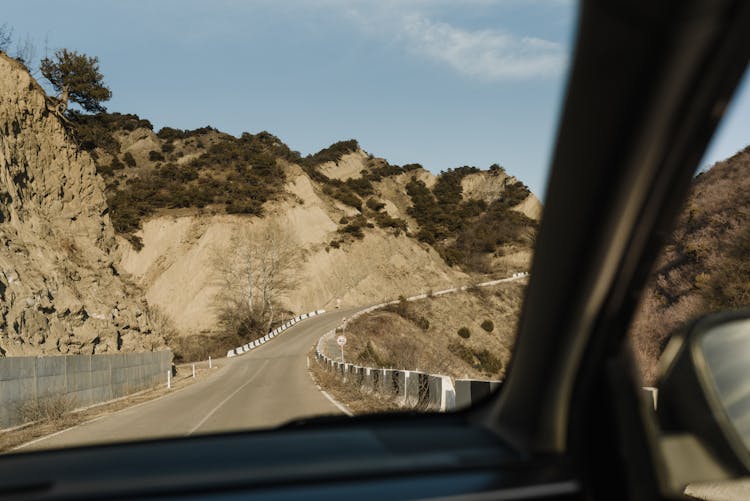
[341, 340]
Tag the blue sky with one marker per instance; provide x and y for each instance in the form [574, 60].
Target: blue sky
[437, 82]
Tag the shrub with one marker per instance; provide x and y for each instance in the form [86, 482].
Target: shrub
[47, 409]
[488, 325]
[239, 173]
[167, 148]
[353, 230]
[344, 220]
[360, 186]
[128, 158]
[354, 227]
[488, 362]
[464, 232]
[369, 356]
[197, 347]
[331, 154]
[155, 156]
[95, 131]
[462, 351]
[422, 323]
[105, 170]
[116, 164]
[345, 196]
[464, 332]
[375, 205]
[335, 244]
[406, 311]
[384, 220]
[169, 134]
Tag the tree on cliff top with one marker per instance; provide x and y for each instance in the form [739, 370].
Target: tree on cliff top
[77, 78]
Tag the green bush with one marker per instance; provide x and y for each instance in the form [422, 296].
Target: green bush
[170, 134]
[116, 164]
[155, 156]
[384, 220]
[465, 232]
[488, 362]
[95, 130]
[464, 332]
[488, 325]
[128, 158]
[105, 170]
[360, 186]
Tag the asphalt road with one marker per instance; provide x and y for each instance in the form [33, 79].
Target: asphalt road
[266, 387]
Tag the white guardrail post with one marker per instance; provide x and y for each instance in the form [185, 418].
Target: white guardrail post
[241, 350]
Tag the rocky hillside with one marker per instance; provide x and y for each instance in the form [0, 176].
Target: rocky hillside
[59, 286]
[706, 265]
[363, 229]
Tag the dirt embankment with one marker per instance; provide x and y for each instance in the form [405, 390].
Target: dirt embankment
[464, 335]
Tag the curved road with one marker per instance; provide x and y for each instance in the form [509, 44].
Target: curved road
[264, 388]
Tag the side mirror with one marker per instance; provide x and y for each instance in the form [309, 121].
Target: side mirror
[705, 390]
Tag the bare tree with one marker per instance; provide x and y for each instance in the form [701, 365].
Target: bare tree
[253, 275]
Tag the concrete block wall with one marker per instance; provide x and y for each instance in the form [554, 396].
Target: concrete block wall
[240, 350]
[81, 379]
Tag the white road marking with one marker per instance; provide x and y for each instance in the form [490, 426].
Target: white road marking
[202, 421]
[341, 407]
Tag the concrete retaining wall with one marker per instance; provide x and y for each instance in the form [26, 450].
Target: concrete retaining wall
[272, 334]
[81, 380]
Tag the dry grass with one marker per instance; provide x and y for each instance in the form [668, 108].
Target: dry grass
[352, 396]
[52, 409]
[394, 340]
[58, 414]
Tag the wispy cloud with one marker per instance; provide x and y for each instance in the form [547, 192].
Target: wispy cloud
[484, 54]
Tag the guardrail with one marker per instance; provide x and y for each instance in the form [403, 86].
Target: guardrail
[414, 388]
[241, 350]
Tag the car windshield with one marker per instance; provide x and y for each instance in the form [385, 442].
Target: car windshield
[222, 216]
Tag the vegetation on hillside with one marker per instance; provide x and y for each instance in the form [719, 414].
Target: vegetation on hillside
[704, 267]
[466, 232]
[239, 175]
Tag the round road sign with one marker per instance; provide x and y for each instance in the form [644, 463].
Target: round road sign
[341, 340]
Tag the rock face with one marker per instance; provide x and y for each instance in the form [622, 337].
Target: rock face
[60, 291]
